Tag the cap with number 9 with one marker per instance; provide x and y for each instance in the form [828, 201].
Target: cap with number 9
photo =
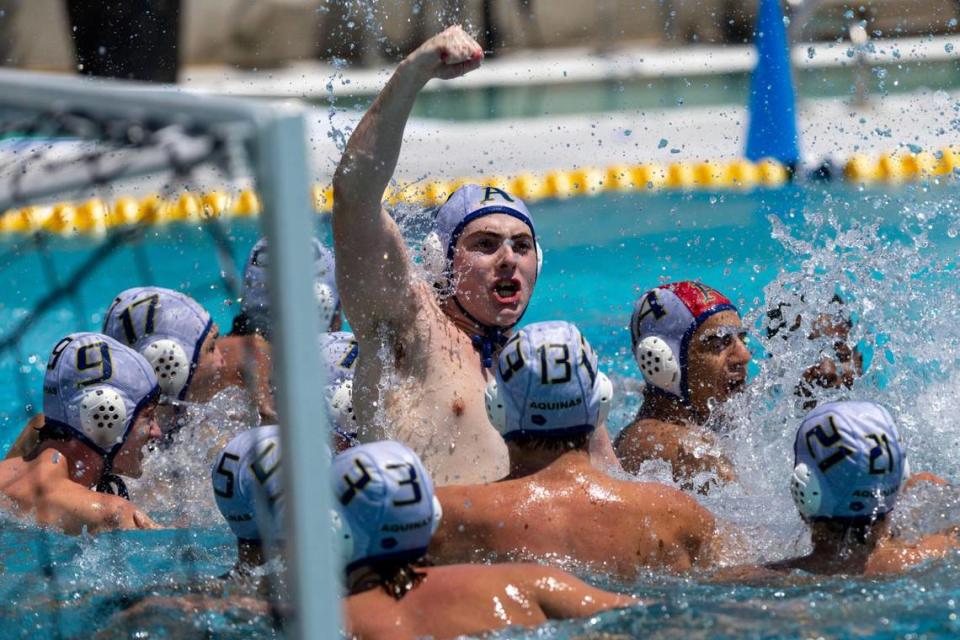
[386, 503]
[95, 387]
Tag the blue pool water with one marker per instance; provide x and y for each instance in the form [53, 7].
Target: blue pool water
[891, 254]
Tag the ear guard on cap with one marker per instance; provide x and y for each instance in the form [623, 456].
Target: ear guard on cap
[341, 406]
[170, 363]
[658, 363]
[326, 302]
[437, 516]
[496, 406]
[103, 417]
[603, 389]
[806, 491]
[433, 257]
[342, 535]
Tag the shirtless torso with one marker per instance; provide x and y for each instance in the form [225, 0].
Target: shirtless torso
[42, 489]
[570, 510]
[469, 599]
[431, 386]
[419, 378]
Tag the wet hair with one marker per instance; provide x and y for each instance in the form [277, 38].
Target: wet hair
[55, 432]
[398, 579]
[777, 317]
[242, 326]
[856, 528]
[555, 443]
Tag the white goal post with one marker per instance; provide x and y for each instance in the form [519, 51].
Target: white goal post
[274, 138]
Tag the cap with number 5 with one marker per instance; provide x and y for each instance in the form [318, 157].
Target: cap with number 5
[95, 387]
[547, 384]
[385, 500]
[247, 485]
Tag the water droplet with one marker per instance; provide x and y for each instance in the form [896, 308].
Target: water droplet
[663, 143]
[948, 47]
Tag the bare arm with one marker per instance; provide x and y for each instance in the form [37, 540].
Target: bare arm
[73, 508]
[562, 596]
[373, 268]
[257, 377]
[27, 440]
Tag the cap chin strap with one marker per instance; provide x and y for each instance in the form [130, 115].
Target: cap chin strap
[806, 491]
[492, 338]
[112, 484]
[103, 419]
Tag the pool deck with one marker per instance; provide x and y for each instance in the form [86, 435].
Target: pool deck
[828, 129]
[316, 79]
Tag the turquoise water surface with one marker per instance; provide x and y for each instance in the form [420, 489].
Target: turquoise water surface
[891, 254]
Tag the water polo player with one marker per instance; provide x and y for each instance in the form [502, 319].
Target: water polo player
[254, 314]
[338, 352]
[689, 343]
[850, 468]
[247, 488]
[435, 339]
[175, 334]
[99, 399]
[388, 512]
[546, 400]
[246, 349]
[840, 364]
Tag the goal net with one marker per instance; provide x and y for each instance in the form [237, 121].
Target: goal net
[106, 186]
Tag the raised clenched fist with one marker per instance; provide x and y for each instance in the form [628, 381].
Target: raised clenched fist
[447, 55]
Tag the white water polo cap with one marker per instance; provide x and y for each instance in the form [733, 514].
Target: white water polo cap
[849, 462]
[387, 507]
[547, 384]
[465, 205]
[663, 322]
[247, 485]
[338, 353]
[95, 388]
[255, 302]
[165, 326]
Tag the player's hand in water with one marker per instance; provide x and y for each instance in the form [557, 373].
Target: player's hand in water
[449, 54]
[143, 521]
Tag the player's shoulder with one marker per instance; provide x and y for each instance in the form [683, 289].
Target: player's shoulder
[648, 434]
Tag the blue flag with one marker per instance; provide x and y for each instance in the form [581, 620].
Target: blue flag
[773, 113]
